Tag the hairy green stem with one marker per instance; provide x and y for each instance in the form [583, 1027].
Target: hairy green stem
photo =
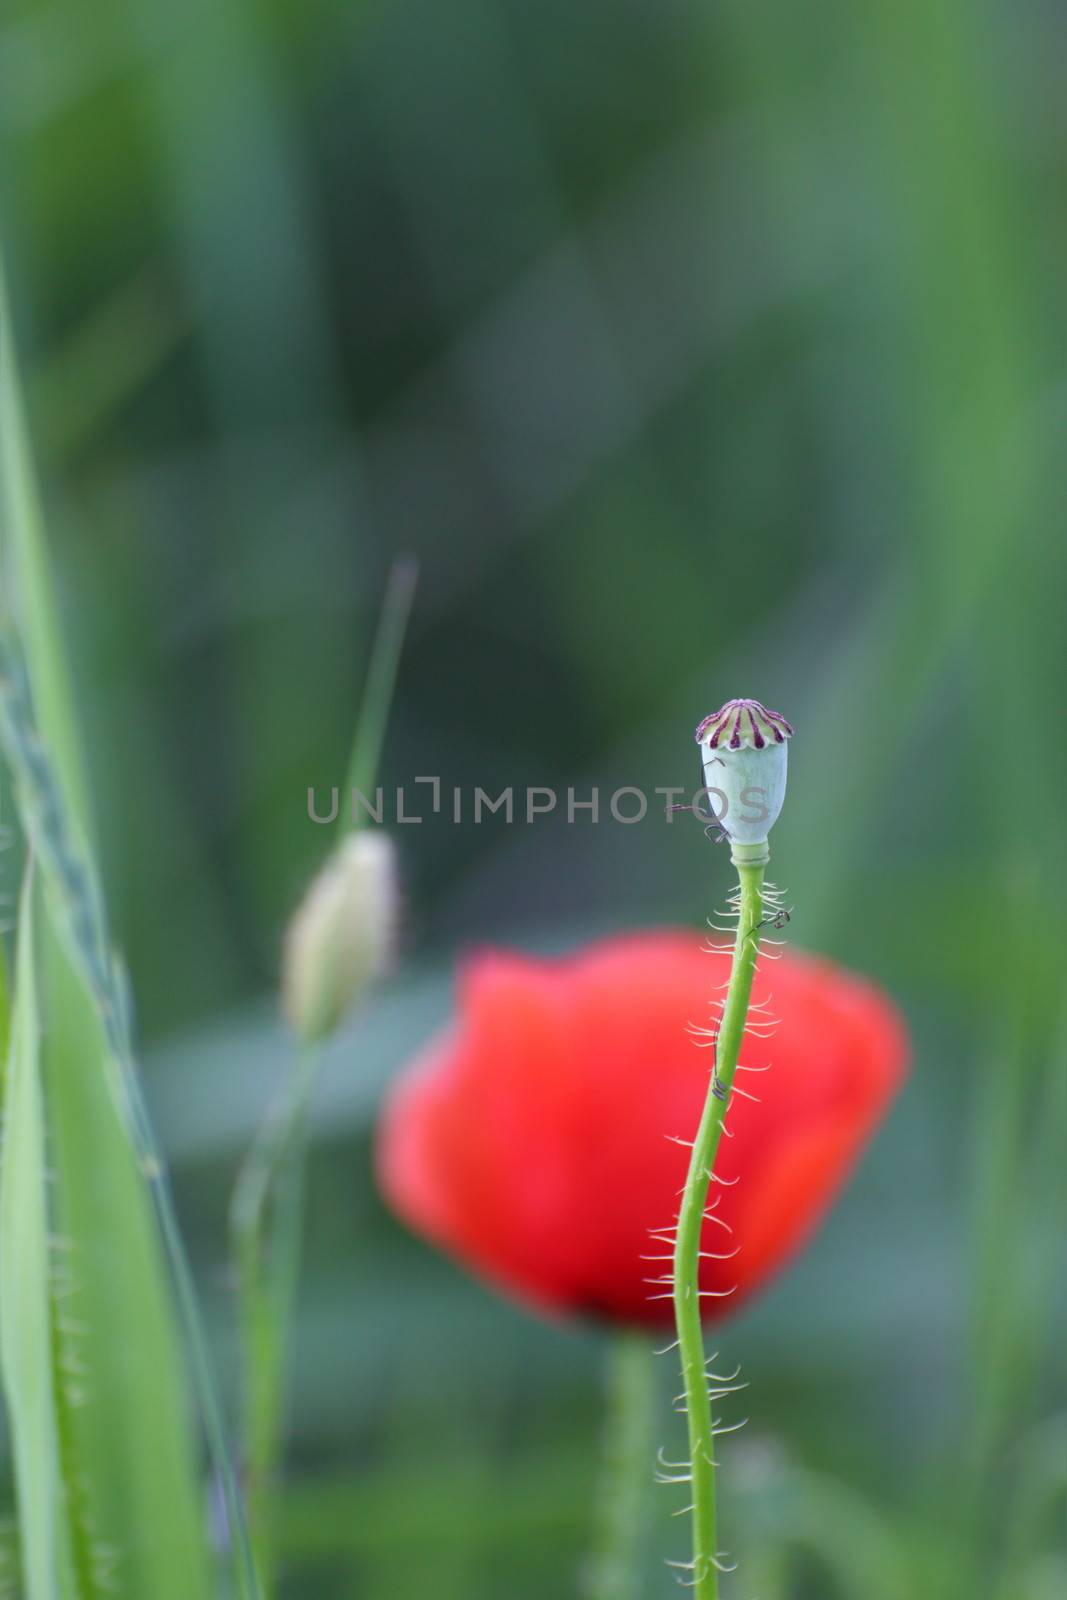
[750, 861]
[618, 1534]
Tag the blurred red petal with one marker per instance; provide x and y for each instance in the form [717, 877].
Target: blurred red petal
[532, 1141]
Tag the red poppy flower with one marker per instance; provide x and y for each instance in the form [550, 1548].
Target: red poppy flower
[533, 1140]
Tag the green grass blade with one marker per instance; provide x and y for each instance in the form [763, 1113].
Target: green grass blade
[132, 1436]
[26, 1345]
[5, 1020]
[381, 680]
[90, 1068]
[26, 580]
[97, 1074]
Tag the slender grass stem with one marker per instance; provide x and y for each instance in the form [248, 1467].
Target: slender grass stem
[750, 861]
[381, 680]
[200, 1362]
[267, 1252]
[267, 1210]
[622, 1513]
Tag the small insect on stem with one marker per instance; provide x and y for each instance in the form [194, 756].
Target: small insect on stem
[715, 831]
[778, 920]
[714, 827]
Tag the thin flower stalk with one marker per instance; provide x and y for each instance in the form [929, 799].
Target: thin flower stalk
[744, 751]
[707, 1562]
[620, 1525]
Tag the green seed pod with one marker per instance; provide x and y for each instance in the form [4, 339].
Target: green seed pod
[744, 749]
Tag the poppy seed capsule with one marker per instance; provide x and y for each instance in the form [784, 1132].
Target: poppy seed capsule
[744, 748]
[341, 939]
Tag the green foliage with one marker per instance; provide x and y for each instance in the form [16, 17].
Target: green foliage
[132, 1437]
[128, 1446]
[612, 315]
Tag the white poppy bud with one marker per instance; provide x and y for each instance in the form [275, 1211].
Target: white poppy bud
[342, 937]
[744, 750]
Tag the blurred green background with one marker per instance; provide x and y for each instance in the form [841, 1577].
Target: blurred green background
[695, 350]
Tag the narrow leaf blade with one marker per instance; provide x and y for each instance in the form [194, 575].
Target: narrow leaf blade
[26, 1360]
